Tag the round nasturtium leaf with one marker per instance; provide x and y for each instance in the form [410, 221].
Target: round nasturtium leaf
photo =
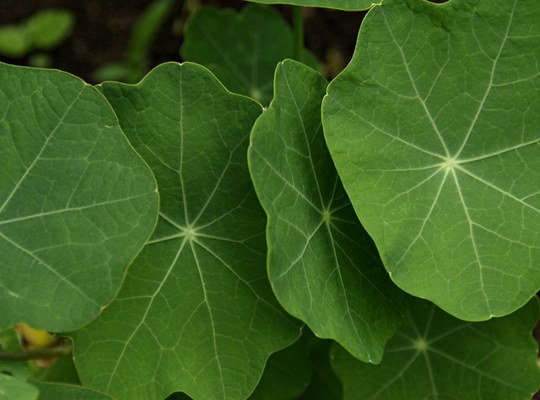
[196, 312]
[323, 267]
[433, 128]
[76, 202]
[436, 356]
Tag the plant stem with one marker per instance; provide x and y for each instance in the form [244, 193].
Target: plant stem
[57, 351]
[298, 33]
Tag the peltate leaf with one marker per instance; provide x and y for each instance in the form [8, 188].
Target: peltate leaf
[76, 202]
[242, 49]
[196, 312]
[347, 5]
[434, 131]
[323, 267]
[54, 391]
[435, 356]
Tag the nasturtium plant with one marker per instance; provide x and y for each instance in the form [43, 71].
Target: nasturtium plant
[322, 265]
[194, 244]
[196, 305]
[436, 356]
[433, 127]
[242, 49]
[76, 202]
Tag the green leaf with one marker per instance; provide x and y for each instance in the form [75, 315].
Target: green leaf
[287, 374]
[48, 28]
[347, 5]
[13, 382]
[14, 42]
[433, 133]
[76, 202]
[196, 312]
[323, 267]
[242, 49]
[435, 356]
[54, 391]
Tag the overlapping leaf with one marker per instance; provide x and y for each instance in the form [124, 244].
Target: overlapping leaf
[54, 391]
[435, 356]
[76, 202]
[434, 131]
[242, 49]
[196, 313]
[323, 267]
[348, 5]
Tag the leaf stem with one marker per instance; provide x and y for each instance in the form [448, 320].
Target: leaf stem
[62, 350]
[298, 33]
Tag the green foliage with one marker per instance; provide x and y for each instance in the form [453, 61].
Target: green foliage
[42, 31]
[209, 243]
[322, 265]
[242, 49]
[76, 205]
[444, 171]
[240, 236]
[437, 356]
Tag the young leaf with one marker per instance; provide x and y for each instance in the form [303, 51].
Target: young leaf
[241, 49]
[76, 202]
[347, 5]
[54, 391]
[323, 267]
[196, 313]
[435, 356]
[433, 133]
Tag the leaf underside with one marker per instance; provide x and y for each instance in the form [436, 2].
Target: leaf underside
[196, 313]
[434, 131]
[76, 202]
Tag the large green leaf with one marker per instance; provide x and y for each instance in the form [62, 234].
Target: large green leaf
[76, 202]
[196, 312]
[323, 267]
[435, 356]
[55, 391]
[347, 5]
[242, 49]
[434, 131]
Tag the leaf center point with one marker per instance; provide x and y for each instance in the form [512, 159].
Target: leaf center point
[190, 232]
[449, 164]
[421, 344]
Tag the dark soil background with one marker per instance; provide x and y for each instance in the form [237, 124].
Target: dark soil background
[102, 30]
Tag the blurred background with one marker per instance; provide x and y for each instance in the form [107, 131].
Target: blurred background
[105, 39]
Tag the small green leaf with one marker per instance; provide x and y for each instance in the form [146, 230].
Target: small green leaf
[241, 49]
[433, 128]
[196, 312]
[76, 202]
[323, 267]
[347, 5]
[48, 28]
[54, 391]
[14, 42]
[435, 356]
